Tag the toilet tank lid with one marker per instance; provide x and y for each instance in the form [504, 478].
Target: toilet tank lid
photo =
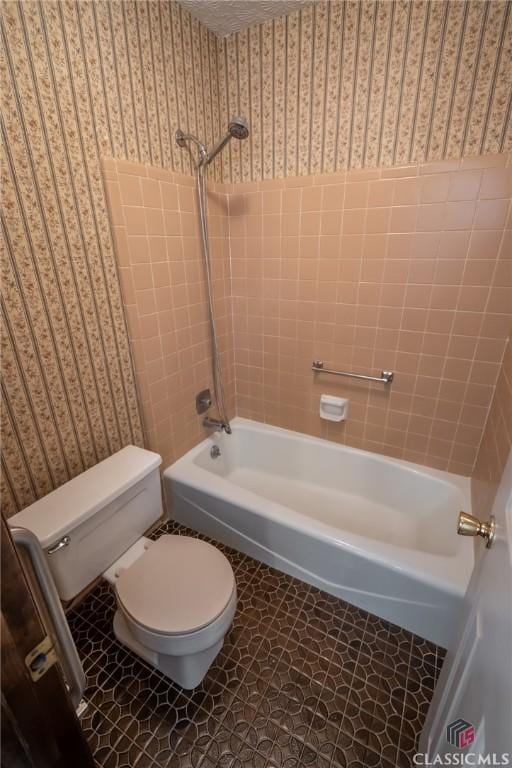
[57, 513]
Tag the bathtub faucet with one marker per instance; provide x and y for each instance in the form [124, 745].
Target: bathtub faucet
[217, 424]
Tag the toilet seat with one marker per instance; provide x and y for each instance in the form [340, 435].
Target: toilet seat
[180, 591]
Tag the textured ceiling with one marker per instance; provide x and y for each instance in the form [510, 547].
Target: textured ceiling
[226, 16]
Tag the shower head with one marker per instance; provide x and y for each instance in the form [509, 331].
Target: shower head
[238, 128]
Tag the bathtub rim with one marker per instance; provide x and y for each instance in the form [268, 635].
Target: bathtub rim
[452, 573]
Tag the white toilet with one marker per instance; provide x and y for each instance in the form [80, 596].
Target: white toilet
[176, 596]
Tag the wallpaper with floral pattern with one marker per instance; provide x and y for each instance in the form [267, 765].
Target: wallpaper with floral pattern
[80, 80]
[364, 84]
[338, 84]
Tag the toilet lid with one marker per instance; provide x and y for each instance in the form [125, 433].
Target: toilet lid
[178, 585]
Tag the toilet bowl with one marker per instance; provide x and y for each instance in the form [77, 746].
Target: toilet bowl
[176, 596]
[176, 601]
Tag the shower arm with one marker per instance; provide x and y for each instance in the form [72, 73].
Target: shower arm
[210, 156]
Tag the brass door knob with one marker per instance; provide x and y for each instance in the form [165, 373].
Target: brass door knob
[469, 525]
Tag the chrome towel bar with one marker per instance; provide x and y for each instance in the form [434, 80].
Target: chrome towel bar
[386, 377]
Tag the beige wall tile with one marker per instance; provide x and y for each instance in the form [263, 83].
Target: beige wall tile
[166, 306]
[496, 442]
[427, 304]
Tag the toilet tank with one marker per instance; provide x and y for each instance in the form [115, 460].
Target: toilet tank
[102, 512]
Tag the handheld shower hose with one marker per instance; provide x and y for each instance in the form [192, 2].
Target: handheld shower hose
[238, 129]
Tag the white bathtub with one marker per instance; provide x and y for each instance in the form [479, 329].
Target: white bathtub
[377, 532]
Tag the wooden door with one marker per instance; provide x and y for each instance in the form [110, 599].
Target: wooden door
[40, 728]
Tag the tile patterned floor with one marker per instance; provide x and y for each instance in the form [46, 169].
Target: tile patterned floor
[304, 680]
